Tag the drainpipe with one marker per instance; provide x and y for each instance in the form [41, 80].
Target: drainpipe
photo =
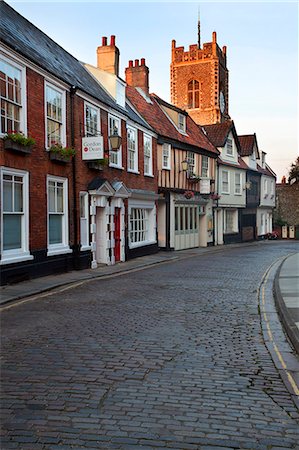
[73, 91]
[167, 220]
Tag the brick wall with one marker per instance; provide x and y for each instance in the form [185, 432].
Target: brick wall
[287, 203]
[208, 66]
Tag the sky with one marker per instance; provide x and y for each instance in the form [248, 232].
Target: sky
[262, 53]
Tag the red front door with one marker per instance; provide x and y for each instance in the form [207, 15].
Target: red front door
[117, 234]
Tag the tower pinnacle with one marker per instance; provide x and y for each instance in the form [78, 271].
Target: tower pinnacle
[198, 28]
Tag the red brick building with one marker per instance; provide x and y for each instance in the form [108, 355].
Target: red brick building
[186, 164]
[61, 211]
[199, 81]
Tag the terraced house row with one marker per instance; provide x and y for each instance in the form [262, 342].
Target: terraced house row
[96, 170]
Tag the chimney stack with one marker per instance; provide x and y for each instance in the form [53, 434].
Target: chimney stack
[138, 75]
[108, 56]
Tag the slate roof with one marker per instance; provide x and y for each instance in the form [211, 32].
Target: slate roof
[158, 120]
[247, 142]
[239, 165]
[218, 133]
[266, 171]
[26, 39]
[95, 183]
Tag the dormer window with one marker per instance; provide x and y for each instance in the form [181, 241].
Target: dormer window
[182, 123]
[229, 147]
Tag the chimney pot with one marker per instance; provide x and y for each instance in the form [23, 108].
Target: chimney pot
[130, 63]
[112, 41]
[136, 62]
[214, 36]
[104, 41]
[142, 63]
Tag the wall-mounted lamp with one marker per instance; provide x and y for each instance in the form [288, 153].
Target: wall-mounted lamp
[184, 166]
[115, 140]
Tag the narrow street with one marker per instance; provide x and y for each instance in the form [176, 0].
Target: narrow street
[172, 356]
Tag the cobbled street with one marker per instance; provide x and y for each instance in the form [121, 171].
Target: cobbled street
[172, 356]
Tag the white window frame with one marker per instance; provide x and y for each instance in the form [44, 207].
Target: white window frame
[22, 253]
[229, 147]
[182, 122]
[207, 168]
[190, 158]
[84, 221]
[149, 208]
[23, 106]
[148, 172]
[63, 113]
[166, 156]
[97, 109]
[135, 151]
[234, 221]
[63, 247]
[117, 154]
[265, 186]
[238, 184]
[225, 181]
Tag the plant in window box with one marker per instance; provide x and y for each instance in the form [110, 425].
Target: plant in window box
[188, 194]
[98, 164]
[61, 154]
[18, 142]
[193, 178]
[215, 196]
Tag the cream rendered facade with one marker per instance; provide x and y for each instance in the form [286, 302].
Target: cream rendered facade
[231, 180]
[264, 217]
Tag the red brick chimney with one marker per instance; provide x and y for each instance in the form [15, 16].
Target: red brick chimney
[108, 56]
[138, 75]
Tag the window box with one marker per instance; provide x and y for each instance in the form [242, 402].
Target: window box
[58, 157]
[98, 164]
[9, 144]
[61, 154]
[193, 178]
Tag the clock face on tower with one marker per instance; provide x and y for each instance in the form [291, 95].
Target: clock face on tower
[222, 102]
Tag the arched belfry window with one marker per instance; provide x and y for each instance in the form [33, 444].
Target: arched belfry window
[193, 94]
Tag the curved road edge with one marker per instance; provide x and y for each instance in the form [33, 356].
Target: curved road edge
[286, 295]
[277, 342]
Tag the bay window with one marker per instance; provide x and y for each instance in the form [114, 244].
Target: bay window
[142, 223]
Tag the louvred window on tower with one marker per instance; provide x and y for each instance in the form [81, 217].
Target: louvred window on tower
[193, 94]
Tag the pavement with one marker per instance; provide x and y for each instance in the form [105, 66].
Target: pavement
[286, 293]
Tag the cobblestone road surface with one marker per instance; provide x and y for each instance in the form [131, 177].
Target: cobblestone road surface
[169, 357]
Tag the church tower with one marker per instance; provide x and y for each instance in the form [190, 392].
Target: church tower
[199, 81]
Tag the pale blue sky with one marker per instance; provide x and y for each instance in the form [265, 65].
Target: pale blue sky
[262, 51]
